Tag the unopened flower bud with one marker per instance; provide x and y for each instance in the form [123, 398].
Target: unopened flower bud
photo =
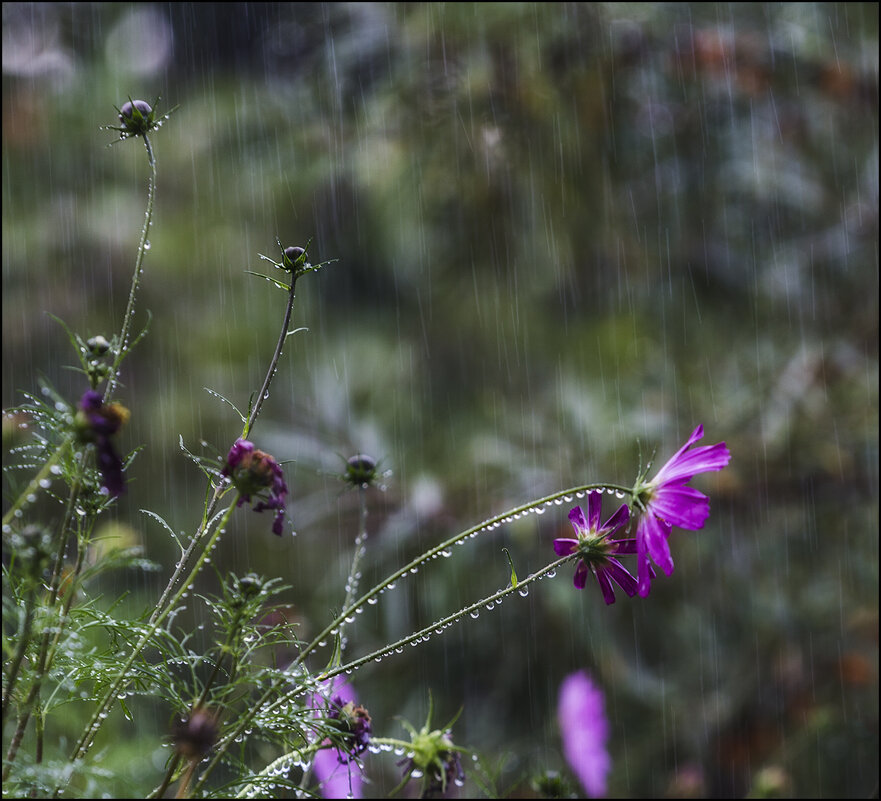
[136, 116]
[292, 257]
[360, 470]
[97, 345]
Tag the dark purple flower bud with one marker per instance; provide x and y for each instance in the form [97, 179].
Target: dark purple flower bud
[136, 117]
[195, 736]
[293, 257]
[360, 470]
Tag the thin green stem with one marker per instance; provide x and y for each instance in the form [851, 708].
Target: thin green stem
[273, 364]
[360, 549]
[24, 638]
[184, 560]
[169, 777]
[143, 247]
[438, 626]
[555, 499]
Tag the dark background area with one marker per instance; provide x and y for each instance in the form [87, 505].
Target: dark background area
[567, 234]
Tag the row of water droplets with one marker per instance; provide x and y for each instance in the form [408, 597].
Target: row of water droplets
[444, 551]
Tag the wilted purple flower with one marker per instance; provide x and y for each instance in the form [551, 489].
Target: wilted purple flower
[665, 502]
[597, 549]
[332, 766]
[585, 730]
[97, 423]
[254, 472]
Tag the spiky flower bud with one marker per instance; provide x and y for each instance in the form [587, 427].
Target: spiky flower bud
[137, 117]
[294, 257]
[360, 470]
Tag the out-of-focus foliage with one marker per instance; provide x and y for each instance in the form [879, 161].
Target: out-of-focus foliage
[561, 229]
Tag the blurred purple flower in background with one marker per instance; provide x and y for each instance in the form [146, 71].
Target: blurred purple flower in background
[666, 502]
[338, 774]
[584, 730]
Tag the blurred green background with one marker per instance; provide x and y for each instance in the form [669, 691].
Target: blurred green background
[567, 234]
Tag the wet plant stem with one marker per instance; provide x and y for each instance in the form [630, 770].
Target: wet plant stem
[220, 489]
[437, 627]
[136, 276]
[273, 364]
[101, 711]
[360, 548]
[272, 692]
[187, 554]
[549, 500]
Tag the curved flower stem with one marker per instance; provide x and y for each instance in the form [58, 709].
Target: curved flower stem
[273, 364]
[438, 626]
[100, 714]
[273, 690]
[136, 276]
[556, 498]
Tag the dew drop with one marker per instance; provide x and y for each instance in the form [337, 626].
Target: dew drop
[147, 245]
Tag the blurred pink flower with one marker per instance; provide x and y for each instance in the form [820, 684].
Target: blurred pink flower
[585, 730]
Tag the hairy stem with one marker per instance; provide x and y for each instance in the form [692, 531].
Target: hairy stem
[143, 247]
[273, 364]
[360, 548]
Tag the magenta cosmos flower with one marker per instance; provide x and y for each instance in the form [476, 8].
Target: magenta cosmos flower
[585, 730]
[597, 549]
[254, 472]
[666, 501]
